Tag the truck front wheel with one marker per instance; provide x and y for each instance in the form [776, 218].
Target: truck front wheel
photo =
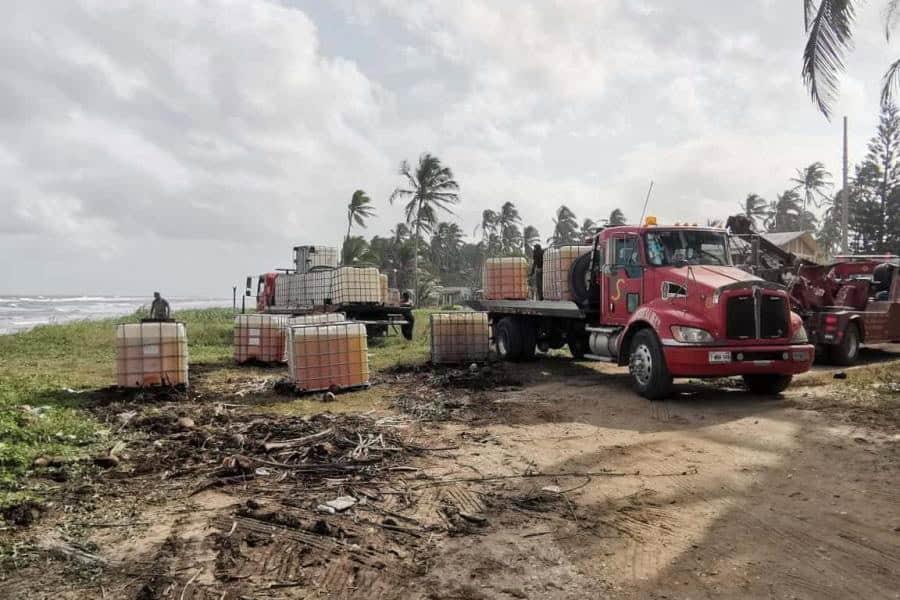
[846, 353]
[649, 374]
[768, 384]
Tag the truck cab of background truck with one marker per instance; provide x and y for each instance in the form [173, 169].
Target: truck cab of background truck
[667, 302]
[265, 291]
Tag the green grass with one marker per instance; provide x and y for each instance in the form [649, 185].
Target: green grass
[393, 350]
[40, 366]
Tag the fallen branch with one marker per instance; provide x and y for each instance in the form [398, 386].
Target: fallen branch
[523, 476]
[301, 441]
[68, 551]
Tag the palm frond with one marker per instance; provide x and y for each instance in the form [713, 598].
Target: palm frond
[829, 30]
[400, 193]
[890, 83]
[891, 16]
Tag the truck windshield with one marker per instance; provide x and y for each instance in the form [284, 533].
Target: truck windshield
[667, 247]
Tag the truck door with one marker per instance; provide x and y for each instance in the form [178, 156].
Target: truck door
[622, 279]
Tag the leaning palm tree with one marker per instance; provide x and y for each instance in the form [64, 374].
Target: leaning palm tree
[508, 223]
[829, 25]
[588, 227]
[530, 237]
[489, 224]
[429, 187]
[356, 250]
[359, 210]
[565, 227]
[616, 218]
[813, 180]
[785, 213]
[754, 208]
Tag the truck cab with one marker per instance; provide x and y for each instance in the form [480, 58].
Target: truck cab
[265, 291]
[667, 302]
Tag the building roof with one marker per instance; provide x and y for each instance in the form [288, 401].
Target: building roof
[784, 237]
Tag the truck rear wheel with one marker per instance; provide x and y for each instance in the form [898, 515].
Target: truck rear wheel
[846, 353]
[768, 384]
[529, 338]
[508, 337]
[649, 374]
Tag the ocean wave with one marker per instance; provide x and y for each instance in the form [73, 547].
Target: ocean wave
[73, 299]
[62, 309]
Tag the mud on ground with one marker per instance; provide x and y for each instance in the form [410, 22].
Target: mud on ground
[545, 480]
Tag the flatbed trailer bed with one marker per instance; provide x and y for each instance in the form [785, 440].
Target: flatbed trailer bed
[559, 309]
[377, 318]
[536, 324]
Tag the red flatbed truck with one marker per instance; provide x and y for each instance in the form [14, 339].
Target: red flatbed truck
[668, 303]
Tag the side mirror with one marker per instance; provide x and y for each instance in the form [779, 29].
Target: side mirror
[679, 263]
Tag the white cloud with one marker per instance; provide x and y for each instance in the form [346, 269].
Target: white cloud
[200, 140]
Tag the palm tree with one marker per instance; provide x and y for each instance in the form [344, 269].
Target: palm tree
[431, 186]
[812, 180]
[359, 210]
[489, 225]
[616, 218]
[565, 227]
[829, 25]
[400, 233]
[530, 237]
[446, 244]
[588, 227]
[508, 222]
[754, 207]
[785, 213]
[355, 250]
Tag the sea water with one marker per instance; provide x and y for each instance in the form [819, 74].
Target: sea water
[22, 312]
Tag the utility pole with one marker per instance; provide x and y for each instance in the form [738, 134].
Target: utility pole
[846, 197]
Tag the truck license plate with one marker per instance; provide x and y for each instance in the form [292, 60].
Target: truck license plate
[719, 357]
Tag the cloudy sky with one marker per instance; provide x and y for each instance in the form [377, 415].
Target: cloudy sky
[182, 145]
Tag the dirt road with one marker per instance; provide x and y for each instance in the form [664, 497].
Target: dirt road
[555, 482]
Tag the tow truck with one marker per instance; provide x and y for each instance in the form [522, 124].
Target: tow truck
[668, 303]
[850, 302]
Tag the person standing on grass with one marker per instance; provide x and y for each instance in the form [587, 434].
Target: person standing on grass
[159, 309]
[537, 271]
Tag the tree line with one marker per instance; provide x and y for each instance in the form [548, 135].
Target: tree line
[812, 203]
[427, 248]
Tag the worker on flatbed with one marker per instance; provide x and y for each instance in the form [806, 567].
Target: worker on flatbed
[537, 271]
[159, 309]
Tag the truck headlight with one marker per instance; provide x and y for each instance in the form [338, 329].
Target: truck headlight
[691, 335]
[799, 336]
